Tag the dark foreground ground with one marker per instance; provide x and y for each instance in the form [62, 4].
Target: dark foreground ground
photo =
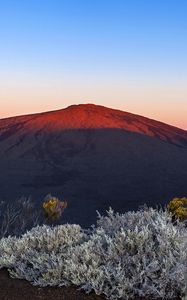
[15, 289]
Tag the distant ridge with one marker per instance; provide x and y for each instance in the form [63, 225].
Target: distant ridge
[87, 116]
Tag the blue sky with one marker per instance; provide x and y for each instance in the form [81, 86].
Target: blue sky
[127, 54]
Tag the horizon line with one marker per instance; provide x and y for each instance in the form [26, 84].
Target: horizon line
[87, 104]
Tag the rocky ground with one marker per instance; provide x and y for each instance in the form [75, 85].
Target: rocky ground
[16, 289]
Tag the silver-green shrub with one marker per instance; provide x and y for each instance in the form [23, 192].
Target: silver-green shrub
[132, 254]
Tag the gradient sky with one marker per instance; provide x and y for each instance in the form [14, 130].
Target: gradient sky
[126, 54]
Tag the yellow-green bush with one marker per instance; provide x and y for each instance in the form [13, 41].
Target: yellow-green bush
[53, 207]
[178, 207]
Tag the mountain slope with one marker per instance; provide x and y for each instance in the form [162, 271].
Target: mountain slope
[95, 157]
[87, 116]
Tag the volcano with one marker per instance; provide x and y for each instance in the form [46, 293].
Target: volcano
[94, 157]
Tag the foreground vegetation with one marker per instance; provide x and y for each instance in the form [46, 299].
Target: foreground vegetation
[23, 214]
[139, 253]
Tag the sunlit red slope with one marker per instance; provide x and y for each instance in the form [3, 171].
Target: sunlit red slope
[90, 116]
[93, 156]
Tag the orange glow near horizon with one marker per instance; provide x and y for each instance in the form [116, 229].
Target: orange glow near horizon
[161, 102]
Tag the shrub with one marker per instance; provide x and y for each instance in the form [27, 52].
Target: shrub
[17, 217]
[126, 255]
[23, 214]
[53, 207]
[178, 207]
